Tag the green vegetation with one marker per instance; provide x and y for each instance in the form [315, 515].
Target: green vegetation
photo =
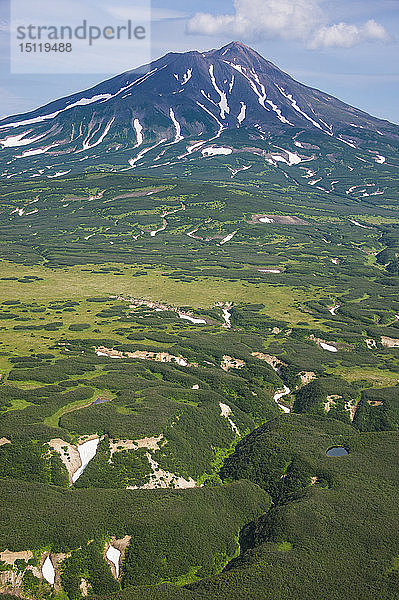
[378, 410]
[167, 527]
[92, 343]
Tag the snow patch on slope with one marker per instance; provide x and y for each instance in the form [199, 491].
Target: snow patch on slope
[223, 104]
[132, 161]
[40, 119]
[178, 136]
[87, 145]
[221, 127]
[213, 151]
[139, 132]
[19, 140]
[242, 114]
[295, 106]
[48, 571]
[227, 238]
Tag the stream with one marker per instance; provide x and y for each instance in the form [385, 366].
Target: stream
[278, 395]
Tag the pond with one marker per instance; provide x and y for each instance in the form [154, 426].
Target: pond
[101, 400]
[337, 451]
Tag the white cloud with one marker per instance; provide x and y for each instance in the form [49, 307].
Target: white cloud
[345, 36]
[303, 20]
[290, 19]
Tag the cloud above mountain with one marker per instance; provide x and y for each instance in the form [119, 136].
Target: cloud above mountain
[345, 35]
[302, 20]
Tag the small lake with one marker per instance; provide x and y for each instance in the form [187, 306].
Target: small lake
[337, 451]
[101, 401]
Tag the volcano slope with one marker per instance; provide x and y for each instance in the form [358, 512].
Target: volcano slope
[201, 115]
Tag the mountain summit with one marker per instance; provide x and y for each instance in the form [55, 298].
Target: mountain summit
[176, 99]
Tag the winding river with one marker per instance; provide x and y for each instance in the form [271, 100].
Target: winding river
[278, 395]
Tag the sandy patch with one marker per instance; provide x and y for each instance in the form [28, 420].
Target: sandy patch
[225, 412]
[84, 588]
[370, 343]
[4, 441]
[273, 361]
[152, 443]
[163, 479]
[68, 454]
[280, 219]
[57, 560]
[120, 446]
[11, 582]
[134, 303]
[331, 401]
[351, 407]
[139, 193]
[307, 377]
[388, 342]
[229, 362]
[10, 557]
[164, 357]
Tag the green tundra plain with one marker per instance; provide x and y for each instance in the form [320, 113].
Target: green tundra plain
[161, 317]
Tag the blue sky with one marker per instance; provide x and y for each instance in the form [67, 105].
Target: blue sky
[347, 48]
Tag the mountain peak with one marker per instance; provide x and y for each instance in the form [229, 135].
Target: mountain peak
[237, 48]
[170, 104]
[236, 45]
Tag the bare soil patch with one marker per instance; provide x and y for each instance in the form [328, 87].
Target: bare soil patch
[279, 219]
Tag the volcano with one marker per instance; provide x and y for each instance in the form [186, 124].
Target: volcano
[182, 105]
